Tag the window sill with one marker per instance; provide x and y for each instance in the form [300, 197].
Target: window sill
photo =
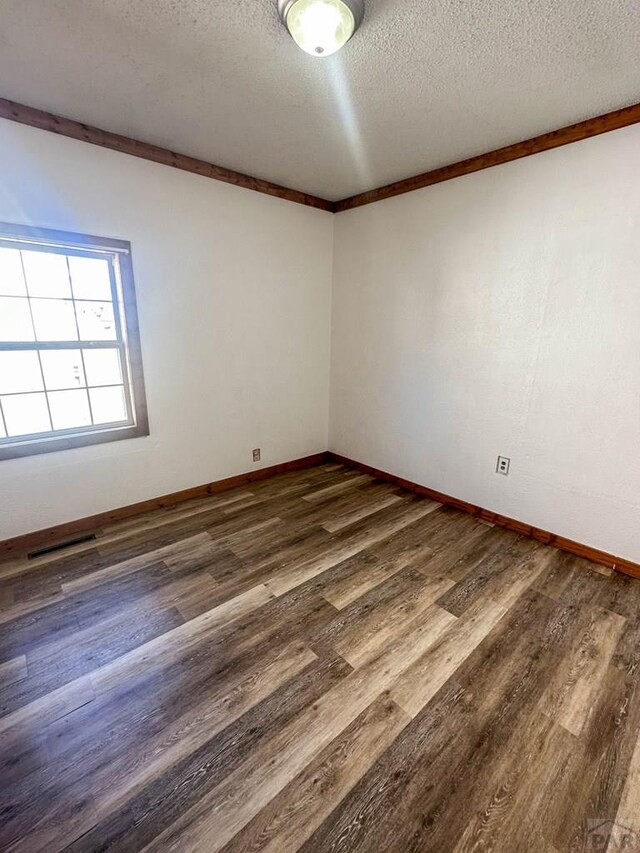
[56, 443]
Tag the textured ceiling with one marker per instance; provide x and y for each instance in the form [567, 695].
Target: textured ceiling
[422, 84]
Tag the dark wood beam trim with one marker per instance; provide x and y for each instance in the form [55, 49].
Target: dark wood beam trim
[564, 136]
[75, 130]
[84, 132]
[21, 545]
[627, 567]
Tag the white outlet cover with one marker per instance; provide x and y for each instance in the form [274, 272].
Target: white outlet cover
[503, 465]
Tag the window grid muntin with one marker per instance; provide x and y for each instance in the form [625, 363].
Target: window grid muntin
[119, 343]
[4, 423]
[55, 390]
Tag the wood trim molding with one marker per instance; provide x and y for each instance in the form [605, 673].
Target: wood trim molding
[86, 133]
[21, 545]
[33, 117]
[564, 136]
[619, 564]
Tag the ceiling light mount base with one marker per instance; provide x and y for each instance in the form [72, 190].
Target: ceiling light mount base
[321, 27]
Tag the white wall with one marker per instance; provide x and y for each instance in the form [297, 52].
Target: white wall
[496, 313]
[499, 313]
[233, 292]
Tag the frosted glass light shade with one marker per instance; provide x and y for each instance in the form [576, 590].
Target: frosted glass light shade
[320, 27]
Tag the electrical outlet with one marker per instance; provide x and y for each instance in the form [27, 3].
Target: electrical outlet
[503, 465]
[256, 454]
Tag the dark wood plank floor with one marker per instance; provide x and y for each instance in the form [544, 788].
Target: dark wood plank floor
[317, 662]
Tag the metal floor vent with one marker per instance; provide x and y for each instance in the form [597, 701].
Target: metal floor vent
[60, 546]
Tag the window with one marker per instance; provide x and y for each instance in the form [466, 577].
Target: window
[70, 362]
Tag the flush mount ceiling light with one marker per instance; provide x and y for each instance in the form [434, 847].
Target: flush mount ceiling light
[321, 27]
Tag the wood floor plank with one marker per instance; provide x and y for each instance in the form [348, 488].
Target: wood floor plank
[318, 662]
[411, 793]
[423, 679]
[29, 720]
[14, 610]
[365, 573]
[628, 814]
[512, 817]
[354, 824]
[63, 661]
[159, 804]
[588, 784]
[113, 785]
[569, 697]
[332, 491]
[156, 652]
[386, 623]
[462, 549]
[13, 670]
[143, 709]
[627, 654]
[342, 520]
[357, 541]
[168, 515]
[44, 581]
[501, 576]
[150, 655]
[403, 589]
[217, 817]
[187, 547]
[292, 816]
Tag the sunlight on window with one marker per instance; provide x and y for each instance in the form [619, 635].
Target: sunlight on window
[54, 319]
[62, 369]
[19, 372]
[47, 274]
[11, 275]
[15, 319]
[61, 346]
[25, 414]
[69, 409]
[90, 278]
[107, 404]
[102, 366]
[96, 321]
